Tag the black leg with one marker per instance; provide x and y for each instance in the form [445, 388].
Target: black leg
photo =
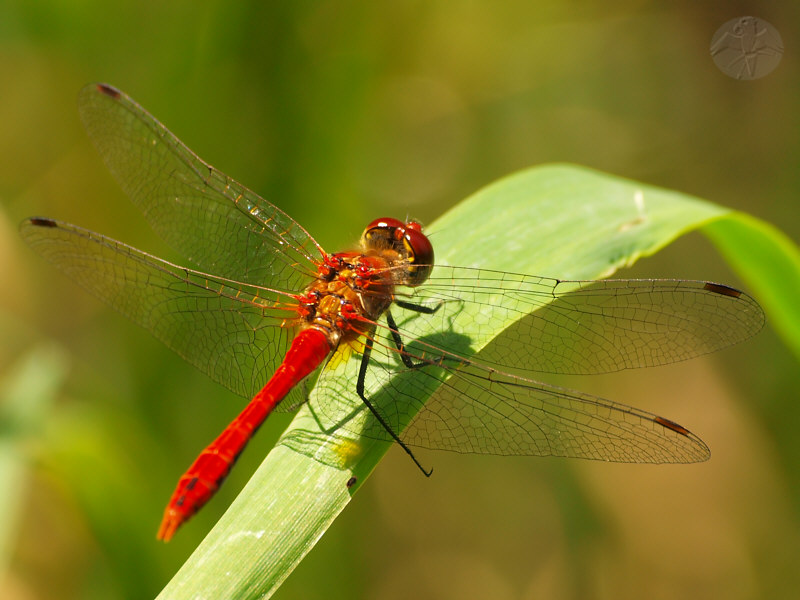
[401, 347]
[398, 342]
[419, 308]
[362, 372]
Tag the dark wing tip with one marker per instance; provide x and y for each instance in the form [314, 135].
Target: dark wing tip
[42, 222]
[672, 425]
[108, 90]
[723, 290]
[696, 451]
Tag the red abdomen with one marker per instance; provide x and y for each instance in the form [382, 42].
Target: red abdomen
[309, 348]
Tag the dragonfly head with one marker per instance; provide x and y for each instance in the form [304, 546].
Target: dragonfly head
[407, 240]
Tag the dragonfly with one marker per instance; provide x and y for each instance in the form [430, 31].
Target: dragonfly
[266, 309]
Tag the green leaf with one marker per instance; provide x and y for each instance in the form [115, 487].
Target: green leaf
[556, 220]
[770, 264]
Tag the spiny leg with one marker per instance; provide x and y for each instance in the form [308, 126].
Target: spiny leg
[401, 347]
[362, 372]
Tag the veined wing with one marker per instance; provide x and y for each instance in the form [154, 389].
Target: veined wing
[234, 332]
[581, 327]
[471, 408]
[216, 222]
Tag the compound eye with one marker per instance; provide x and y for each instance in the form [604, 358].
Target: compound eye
[406, 239]
[385, 225]
[420, 253]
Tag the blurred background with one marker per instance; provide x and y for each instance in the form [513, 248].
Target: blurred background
[341, 111]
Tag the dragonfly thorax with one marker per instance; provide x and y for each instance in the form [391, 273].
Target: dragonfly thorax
[351, 291]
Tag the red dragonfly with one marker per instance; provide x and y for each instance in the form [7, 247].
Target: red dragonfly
[270, 307]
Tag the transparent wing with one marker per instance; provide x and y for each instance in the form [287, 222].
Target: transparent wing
[476, 409]
[234, 332]
[502, 414]
[580, 327]
[211, 219]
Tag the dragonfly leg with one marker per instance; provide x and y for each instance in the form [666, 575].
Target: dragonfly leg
[401, 347]
[398, 342]
[419, 308]
[362, 372]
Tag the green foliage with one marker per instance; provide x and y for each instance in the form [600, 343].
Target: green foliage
[27, 392]
[769, 262]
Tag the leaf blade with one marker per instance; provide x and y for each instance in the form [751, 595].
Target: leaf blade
[553, 220]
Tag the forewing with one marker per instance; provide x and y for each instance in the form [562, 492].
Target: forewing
[535, 324]
[211, 219]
